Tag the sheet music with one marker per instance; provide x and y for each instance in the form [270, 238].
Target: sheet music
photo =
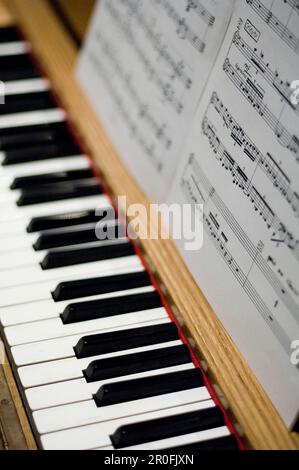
[144, 67]
[241, 160]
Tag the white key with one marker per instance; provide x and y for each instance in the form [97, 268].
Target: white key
[17, 240]
[8, 173]
[17, 228]
[86, 412]
[12, 228]
[32, 118]
[76, 390]
[54, 165]
[23, 243]
[10, 211]
[98, 435]
[47, 309]
[34, 275]
[71, 368]
[33, 85]
[26, 213]
[61, 348]
[178, 441]
[14, 48]
[8, 197]
[54, 328]
[20, 258]
[21, 295]
[17, 276]
[19, 245]
[12, 259]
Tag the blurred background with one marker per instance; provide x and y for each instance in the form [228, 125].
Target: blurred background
[75, 14]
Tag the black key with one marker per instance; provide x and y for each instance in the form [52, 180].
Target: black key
[64, 257]
[66, 148]
[38, 224]
[9, 34]
[74, 236]
[15, 61]
[100, 285]
[137, 389]
[221, 443]
[24, 182]
[24, 136]
[83, 311]
[104, 343]
[59, 191]
[19, 74]
[136, 363]
[27, 102]
[165, 428]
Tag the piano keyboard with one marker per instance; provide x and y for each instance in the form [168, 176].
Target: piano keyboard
[99, 362]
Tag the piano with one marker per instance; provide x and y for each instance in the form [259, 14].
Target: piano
[110, 345]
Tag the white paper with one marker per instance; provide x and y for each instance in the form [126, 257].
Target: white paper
[241, 160]
[143, 67]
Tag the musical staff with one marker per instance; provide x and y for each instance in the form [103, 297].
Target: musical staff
[293, 4]
[266, 162]
[206, 192]
[240, 163]
[158, 131]
[271, 76]
[183, 29]
[275, 24]
[202, 12]
[241, 180]
[253, 96]
[177, 67]
[216, 236]
[165, 88]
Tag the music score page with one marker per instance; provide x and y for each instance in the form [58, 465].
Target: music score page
[144, 67]
[241, 160]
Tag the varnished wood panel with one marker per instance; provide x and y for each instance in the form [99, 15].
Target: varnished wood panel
[5, 16]
[78, 13]
[249, 403]
[15, 431]
[11, 433]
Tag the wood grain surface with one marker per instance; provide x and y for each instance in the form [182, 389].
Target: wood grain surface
[78, 13]
[248, 402]
[15, 431]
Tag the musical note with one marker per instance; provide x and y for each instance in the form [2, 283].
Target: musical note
[157, 131]
[202, 12]
[215, 234]
[197, 184]
[183, 29]
[272, 77]
[241, 180]
[167, 91]
[285, 138]
[293, 3]
[275, 24]
[266, 162]
[177, 67]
